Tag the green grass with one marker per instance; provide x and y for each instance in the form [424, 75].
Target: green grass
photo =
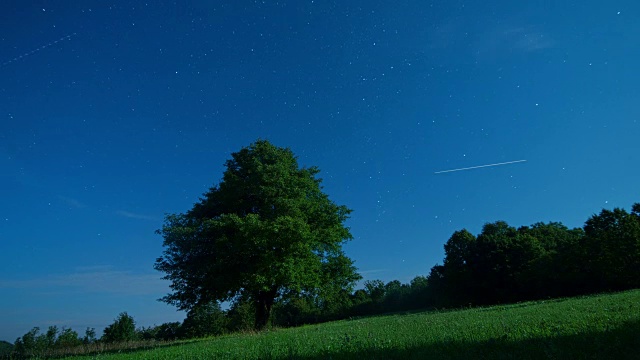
[596, 327]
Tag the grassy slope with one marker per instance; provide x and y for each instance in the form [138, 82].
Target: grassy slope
[598, 327]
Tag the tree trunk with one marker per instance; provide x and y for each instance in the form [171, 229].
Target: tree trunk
[263, 303]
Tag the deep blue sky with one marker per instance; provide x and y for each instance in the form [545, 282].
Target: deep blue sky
[115, 113]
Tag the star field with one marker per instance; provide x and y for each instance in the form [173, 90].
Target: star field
[114, 114]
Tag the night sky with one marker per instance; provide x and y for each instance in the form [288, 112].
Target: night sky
[114, 113]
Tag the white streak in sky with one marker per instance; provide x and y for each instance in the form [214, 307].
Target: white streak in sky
[480, 166]
[17, 58]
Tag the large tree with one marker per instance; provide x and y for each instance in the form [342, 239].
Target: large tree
[265, 232]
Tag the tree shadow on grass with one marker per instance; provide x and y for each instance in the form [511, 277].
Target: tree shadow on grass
[620, 343]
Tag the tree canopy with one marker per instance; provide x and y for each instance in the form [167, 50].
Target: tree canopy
[266, 231]
[123, 328]
[505, 264]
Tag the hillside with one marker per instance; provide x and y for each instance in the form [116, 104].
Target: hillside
[595, 327]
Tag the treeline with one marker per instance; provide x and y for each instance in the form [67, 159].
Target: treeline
[502, 264]
[51, 342]
[55, 342]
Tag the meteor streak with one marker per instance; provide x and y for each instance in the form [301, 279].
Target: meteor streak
[480, 166]
[18, 58]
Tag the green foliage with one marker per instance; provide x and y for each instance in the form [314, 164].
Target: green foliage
[67, 339]
[614, 237]
[6, 348]
[266, 232]
[89, 336]
[27, 343]
[147, 333]
[241, 316]
[169, 331]
[297, 311]
[378, 297]
[502, 264]
[205, 320]
[505, 265]
[35, 344]
[122, 329]
[49, 339]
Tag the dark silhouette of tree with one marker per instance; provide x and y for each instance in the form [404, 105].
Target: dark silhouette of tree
[89, 336]
[266, 232]
[34, 344]
[460, 253]
[205, 320]
[558, 268]
[6, 348]
[505, 264]
[67, 339]
[612, 239]
[297, 311]
[122, 329]
[169, 331]
[421, 295]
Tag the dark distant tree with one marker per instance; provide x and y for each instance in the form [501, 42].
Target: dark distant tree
[612, 240]
[169, 331]
[459, 249]
[558, 267]
[26, 344]
[89, 336]
[511, 263]
[501, 265]
[421, 295]
[493, 267]
[267, 231]
[460, 253]
[360, 297]
[335, 304]
[147, 333]
[296, 311]
[35, 344]
[122, 329]
[205, 320]
[49, 339]
[67, 339]
[375, 289]
[395, 296]
[6, 348]
[438, 286]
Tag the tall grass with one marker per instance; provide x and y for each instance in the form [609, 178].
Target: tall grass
[95, 348]
[596, 327]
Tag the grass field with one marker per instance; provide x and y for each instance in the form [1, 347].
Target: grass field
[596, 327]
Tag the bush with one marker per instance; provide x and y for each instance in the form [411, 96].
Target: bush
[168, 331]
[205, 320]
